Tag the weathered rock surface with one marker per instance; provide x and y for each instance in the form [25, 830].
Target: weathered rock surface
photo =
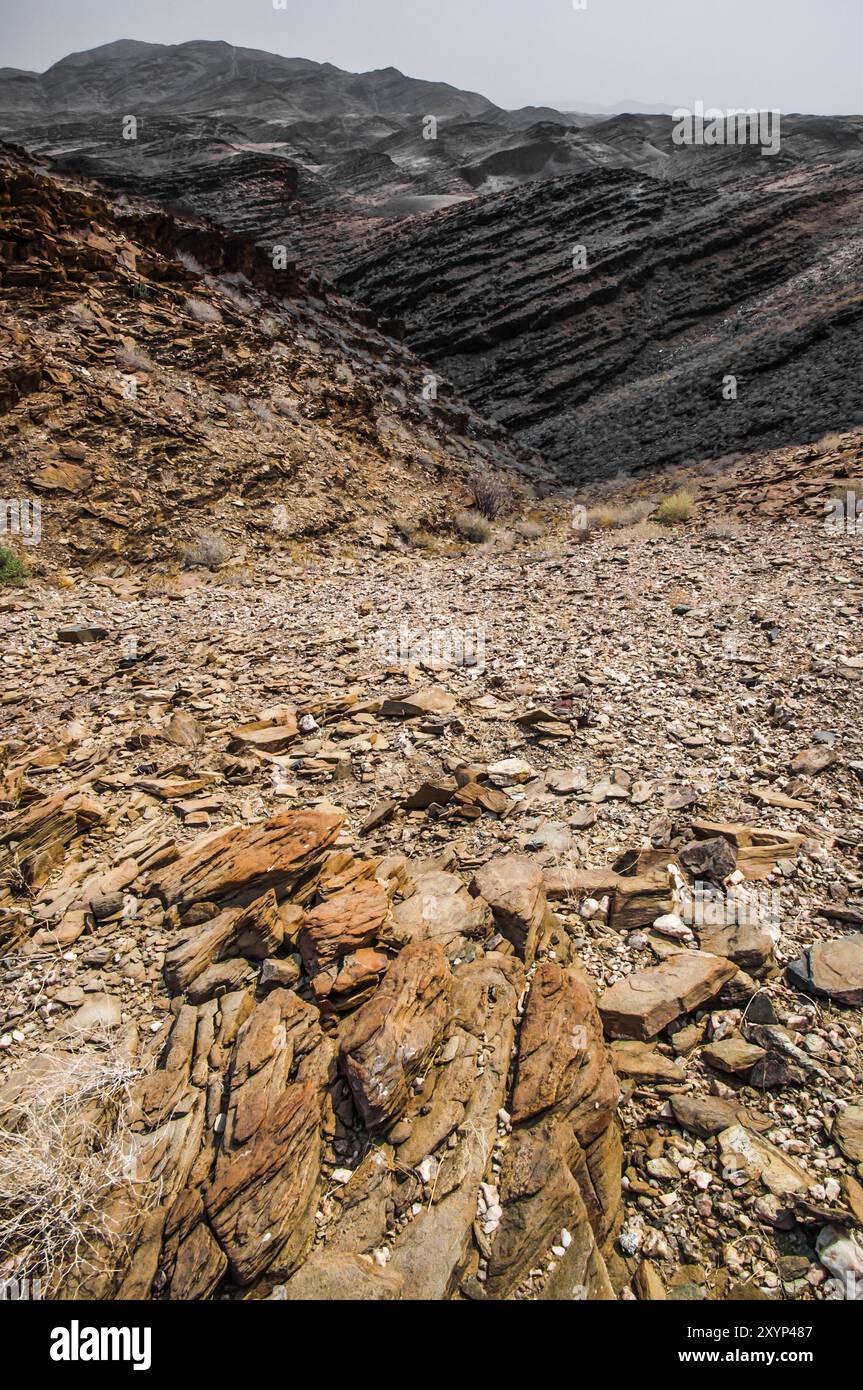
[389, 1041]
[643, 1003]
[562, 1062]
[513, 887]
[275, 854]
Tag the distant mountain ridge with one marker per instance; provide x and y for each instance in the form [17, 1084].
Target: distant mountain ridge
[205, 75]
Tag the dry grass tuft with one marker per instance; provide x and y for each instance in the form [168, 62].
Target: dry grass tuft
[490, 493]
[472, 526]
[613, 517]
[201, 311]
[65, 1147]
[676, 508]
[132, 359]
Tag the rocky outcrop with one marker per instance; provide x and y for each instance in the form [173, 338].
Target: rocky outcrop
[513, 887]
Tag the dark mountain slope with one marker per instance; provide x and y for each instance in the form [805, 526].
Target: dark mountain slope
[622, 364]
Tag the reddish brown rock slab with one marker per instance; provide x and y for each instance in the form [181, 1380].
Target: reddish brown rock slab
[848, 1132]
[643, 1063]
[832, 969]
[433, 1249]
[38, 838]
[262, 1199]
[709, 1115]
[346, 985]
[242, 861]
[748, 944]
[514, 888]
[563, 1063]
[645, 1002]
[200, 1265]
[638, 901]
[342, 924]
[392, 1037]
[61, 477]
[733, 1055]
[539, 1196]
[746, 1156]
[258, 931]
[434, 700]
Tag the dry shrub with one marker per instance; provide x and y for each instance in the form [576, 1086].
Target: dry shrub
[530, 530]
[132, 359]
[472, 526]
[66, 1149]
[490, 493]
[193, 266]
[611, 517]
[201, 311]
[723, 529]
[675, 509]
[209, 550]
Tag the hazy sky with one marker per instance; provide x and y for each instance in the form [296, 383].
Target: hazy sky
[796, 55]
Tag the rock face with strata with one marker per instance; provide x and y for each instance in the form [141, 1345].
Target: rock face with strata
[275, 854]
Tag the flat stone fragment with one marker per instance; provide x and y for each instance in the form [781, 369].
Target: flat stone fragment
[848, 1132]
[644, 1003]
[733, 1055]
[833, 969]
[750, 1156]
[343, 1278]
[643, 1063]
[80, 633]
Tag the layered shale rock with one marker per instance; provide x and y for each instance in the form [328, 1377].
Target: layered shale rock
[393, 1037]
[601, 316]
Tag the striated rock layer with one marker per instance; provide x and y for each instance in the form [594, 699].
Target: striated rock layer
[598, 316]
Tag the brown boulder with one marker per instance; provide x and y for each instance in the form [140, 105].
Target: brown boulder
[833, 969]
[562, 1061]
[514, 889]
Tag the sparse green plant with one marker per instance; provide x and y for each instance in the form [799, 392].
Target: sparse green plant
[472, 526]
[13, 571]
[676, 508]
